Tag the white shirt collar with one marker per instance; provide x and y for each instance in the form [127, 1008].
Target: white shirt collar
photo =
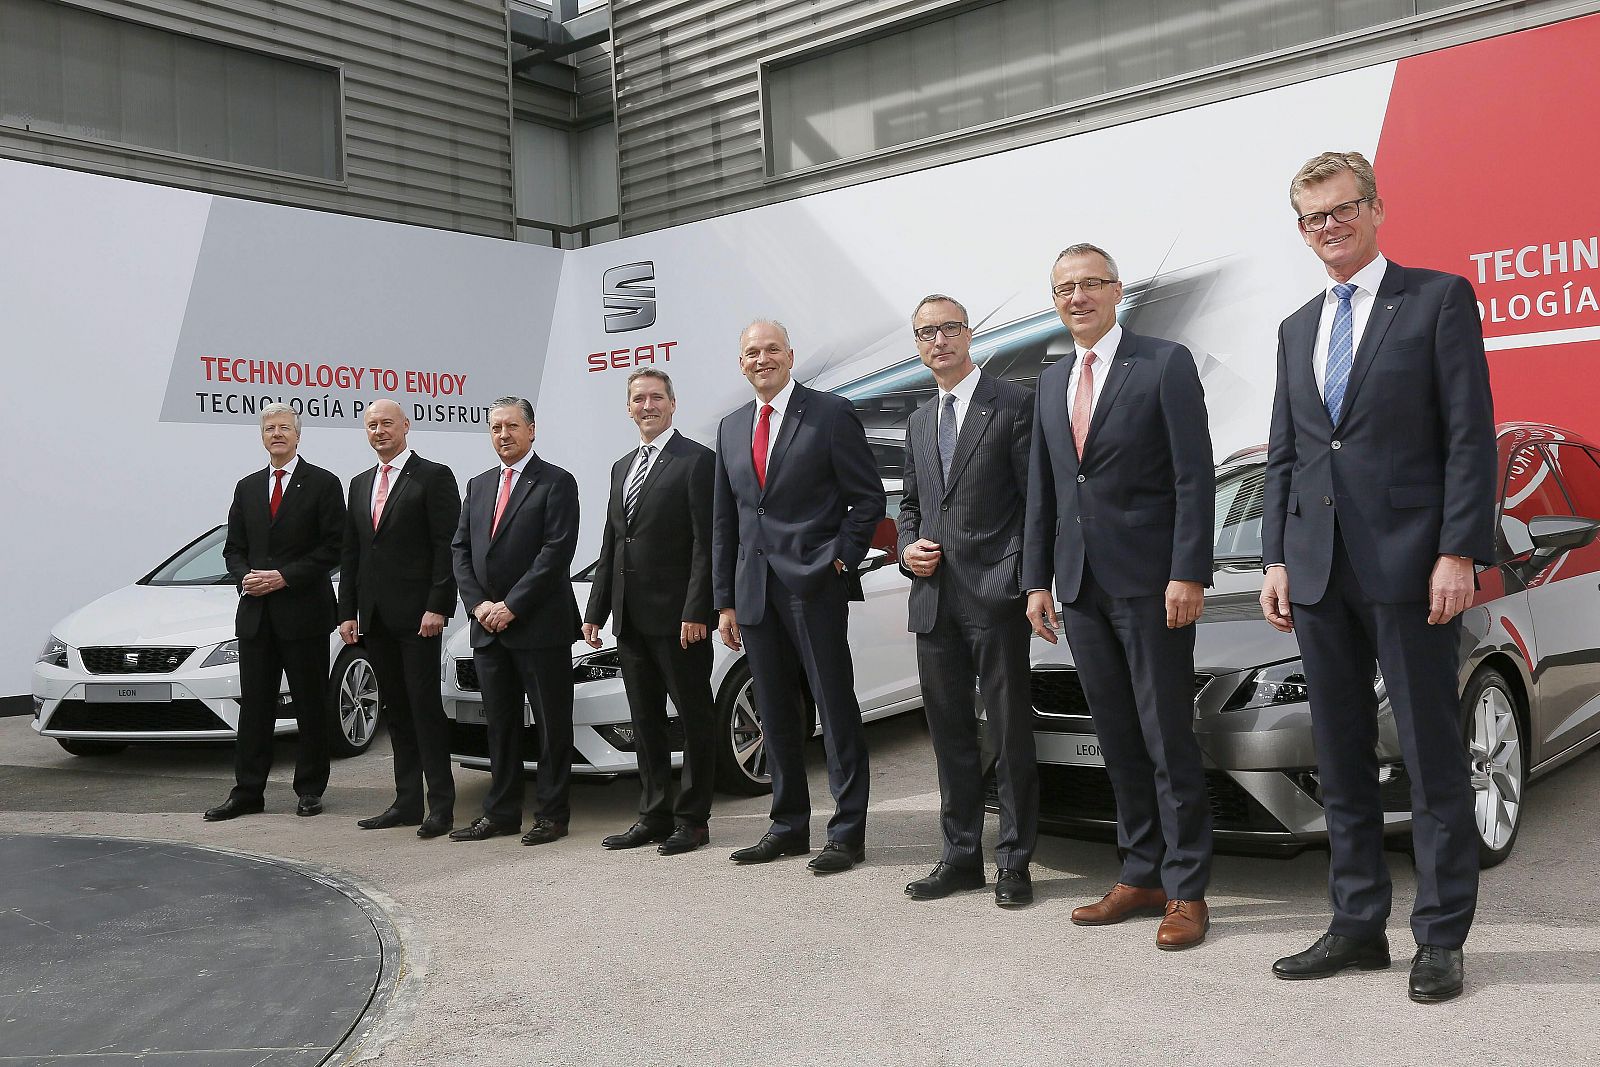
[398, 462]
[661, 439]
[287, 468]
[964, 388]
[780, 403]
[1105, 349]
[520, 465]
[1367, 279]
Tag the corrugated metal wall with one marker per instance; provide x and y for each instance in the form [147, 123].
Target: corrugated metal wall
[427, 110]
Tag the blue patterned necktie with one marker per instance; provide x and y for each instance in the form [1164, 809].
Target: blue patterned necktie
[947, 433]
[1341, 353]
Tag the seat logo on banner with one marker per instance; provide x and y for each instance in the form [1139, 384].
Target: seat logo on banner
[630, 297]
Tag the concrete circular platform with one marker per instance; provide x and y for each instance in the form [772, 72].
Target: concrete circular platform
[118, 951]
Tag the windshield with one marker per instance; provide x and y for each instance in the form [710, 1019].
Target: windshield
[198, 563]
[1237, 527]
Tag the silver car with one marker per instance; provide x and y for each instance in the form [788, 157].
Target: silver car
[1529, 678]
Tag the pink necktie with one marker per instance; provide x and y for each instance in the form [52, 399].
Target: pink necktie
[1083, 404]
[277, 491]
[500, 505]
[383, 494]
[759, 446]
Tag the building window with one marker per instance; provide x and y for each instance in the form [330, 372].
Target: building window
[1002, 60]
[67, 72]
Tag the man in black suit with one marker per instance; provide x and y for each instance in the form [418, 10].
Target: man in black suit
[513, 557]
[960, 525]
[284, 531]
[654, 581]
[396, 591]
[1120, 503]
[1380, 495]
[797, 499]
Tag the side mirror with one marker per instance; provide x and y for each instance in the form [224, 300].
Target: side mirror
[1561, 533]
[874, 559]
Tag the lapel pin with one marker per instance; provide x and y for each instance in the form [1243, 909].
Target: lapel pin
[1388, 307]
[983, 413]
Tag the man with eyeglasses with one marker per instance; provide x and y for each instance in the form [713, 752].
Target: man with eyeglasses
[1380, 495]
[1120, 503]
[960, 536]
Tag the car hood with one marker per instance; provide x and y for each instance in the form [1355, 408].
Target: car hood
[459, 644]
[195, 615]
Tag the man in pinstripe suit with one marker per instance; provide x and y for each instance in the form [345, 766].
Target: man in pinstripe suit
[961, 519]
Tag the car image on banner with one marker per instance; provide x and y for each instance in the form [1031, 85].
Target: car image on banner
[157, 661]
[1529, 677]
[884, 654]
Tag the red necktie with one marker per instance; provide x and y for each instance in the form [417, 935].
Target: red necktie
[1083, 404]
[277, 491]
[500, 505]
[383, 495]
[763, 428]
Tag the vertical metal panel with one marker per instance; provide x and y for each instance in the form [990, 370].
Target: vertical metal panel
[427, 109]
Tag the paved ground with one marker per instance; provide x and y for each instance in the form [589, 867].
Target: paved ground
[567, 954]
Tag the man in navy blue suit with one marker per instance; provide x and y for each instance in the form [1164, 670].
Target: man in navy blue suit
[1380, 495]
[796, 499]
[1120, 501]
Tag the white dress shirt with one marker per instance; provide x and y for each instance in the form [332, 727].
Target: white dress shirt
[288, 476]
[963, 394]
[1366, 280]
[780, 404]
[398, 464]
[655, 453]
[1105, 350]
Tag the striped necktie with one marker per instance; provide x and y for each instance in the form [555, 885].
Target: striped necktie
[630, 495]
[1341, 352]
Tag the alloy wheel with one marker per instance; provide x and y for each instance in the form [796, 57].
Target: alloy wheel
[749, 740]
[1494, 747]
[358, 702]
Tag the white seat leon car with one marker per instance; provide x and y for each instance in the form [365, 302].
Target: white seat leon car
[884, 654]
[158, 661]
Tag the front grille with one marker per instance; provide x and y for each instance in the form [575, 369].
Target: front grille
[1084, 793]
[472, 739]
[186, 715]
[1056, 691]
[466, 675]
[124, 659]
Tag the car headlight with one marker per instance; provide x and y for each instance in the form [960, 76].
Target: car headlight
[1281, 683]
[597, 666]
[224, 655]
[54, 652]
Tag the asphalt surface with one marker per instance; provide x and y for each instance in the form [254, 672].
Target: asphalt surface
[568, 954]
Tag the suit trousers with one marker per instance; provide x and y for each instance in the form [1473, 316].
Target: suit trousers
[1138, 676]
[948, 657]
[407, 666]
[264, 660]
[542, 677]
[802, 641]
[654, 667]
[1341, 637]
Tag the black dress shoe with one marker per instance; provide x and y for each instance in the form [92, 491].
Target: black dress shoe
[770, 847]
[634, 836]
[944, 879]
[1436, 974]
[387, 820]
[308, 807]
[1013, 887]
[232, 808]
[436, 824]
[1333, 953]
[837, 856]
[684, 838]
[482, 829]
[544, 831]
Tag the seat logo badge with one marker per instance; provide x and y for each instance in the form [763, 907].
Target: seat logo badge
[130, 659]
[630, 297]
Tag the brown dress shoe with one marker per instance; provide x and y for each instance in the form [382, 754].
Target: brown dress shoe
[1184, 925]
[1123, 902]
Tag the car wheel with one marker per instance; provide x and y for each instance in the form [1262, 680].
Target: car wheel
[354, 703]
[1498, 761]
[90, 748]
[742, 745]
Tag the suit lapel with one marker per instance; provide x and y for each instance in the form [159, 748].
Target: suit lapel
[398, 487]
[925, 444]
[656, 473]
[294, 488]
[1386, 303]
[257, 500]
[740, 450]
[786, 432]
[979, 414]
[519, 492]
[1117, 376]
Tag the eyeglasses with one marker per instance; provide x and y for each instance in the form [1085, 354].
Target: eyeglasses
[1088, 285]
[1312, 221]
[949, 329]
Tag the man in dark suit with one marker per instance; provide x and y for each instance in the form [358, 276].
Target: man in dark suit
[284, 531]
[396, 591]
[513, 557]
[797, 499]
[1120, 503]
[960, 525]
[1380, 494]
[654, 581]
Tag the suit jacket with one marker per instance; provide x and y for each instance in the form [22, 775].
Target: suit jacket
[1409, 471]
[655, 572]
[527, 562]
[1139, 506]
[302, 543]
[822, 501]
[976, 515]
[402, 569]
